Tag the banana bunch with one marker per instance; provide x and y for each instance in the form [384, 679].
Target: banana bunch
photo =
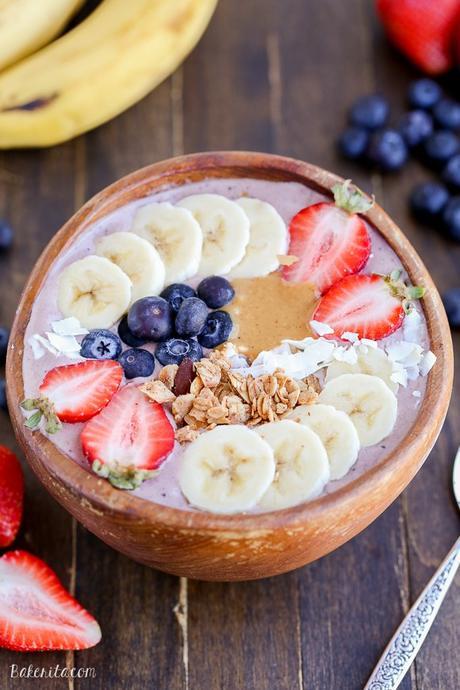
[27, 25]
[108, 62]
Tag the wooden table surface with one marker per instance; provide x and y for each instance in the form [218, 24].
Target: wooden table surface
[268, 76]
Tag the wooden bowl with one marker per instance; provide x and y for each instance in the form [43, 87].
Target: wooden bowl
[240, 547]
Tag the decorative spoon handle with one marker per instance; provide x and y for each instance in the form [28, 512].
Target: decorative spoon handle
[407, 640]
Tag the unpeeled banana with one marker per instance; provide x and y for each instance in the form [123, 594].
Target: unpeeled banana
[27, 25]
[97, 70]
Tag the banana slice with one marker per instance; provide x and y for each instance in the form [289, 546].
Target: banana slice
[138, 259]
[336, 431]
[176, 236]
[225, 228]
[368, 401]
[371, 360]
[226, 470]
[302, 467]
[268, 238]
[94, 290]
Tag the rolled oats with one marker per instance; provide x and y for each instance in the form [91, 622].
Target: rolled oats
[168, 374]
[158, 391]
[219, 395]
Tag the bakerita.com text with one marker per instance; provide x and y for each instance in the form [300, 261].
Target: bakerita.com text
[57, 671]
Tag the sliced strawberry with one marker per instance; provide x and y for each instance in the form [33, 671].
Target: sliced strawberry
[36, 612]
[372, 306]
[74, 393]
[423, 30]
[329, 240]
[128, 439]
[11, 496]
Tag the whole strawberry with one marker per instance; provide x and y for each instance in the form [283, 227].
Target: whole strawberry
[423, 30]
[11, 496]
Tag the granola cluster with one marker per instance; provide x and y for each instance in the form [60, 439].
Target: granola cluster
[220, 396]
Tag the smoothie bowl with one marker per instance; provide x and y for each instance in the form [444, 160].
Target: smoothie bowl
[226, 365]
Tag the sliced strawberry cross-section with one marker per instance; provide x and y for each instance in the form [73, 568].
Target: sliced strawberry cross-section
[372, 306]
[11, 496]
[74, 393]
[128, 440]
[36, 612]
[330, 240]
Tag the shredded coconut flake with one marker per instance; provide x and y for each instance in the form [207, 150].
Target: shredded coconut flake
[69, 326]
[428, 361]
[321, 328]
[65, 344]
[40, 345]
[416, 394]
[351, 337]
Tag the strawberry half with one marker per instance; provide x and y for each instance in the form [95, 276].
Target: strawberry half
[372, 306]
[11, 496]
[74, 393]
[36, 612]
[329, 239]
[423, 30]
[128, 439]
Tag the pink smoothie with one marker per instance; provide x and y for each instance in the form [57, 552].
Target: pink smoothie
[288, 199]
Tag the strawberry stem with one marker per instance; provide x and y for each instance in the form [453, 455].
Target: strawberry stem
[352, 200]
[121, 476]
[43, 408]
[406, 293]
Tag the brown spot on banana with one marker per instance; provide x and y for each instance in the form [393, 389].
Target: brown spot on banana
[36, 104]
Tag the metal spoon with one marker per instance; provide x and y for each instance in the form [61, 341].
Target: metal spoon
[409, 637]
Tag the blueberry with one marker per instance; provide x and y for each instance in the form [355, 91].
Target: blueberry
[101, 344]
[3, 403]
[4, 336]
[216, 330]
[215, 291]
[451, 218]
[176, 293]
[440, 147]
[451, 173]
[370, 112]
[6, 235]
[447, 114]
[191, 317]
[151, 318]
[174, 350]
[387, 150]
[415, 127]
[428, 200]
[451, 300]
[424, 93]
[353, 143]
[137, 362]
[127, 337]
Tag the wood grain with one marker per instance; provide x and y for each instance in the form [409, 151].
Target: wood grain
[299, 65]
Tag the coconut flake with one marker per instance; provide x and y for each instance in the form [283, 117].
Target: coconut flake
[428, 361]
[407, 353]
[416, 394]
[369, 343]
[348, 355]
[69, 326]
[40, 345]
[411, 327]
[313, 354]
[399, 376]
[321, 328]
[351, 337]
[64, 344]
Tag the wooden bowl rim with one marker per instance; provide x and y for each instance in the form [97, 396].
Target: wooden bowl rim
[99, 493]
